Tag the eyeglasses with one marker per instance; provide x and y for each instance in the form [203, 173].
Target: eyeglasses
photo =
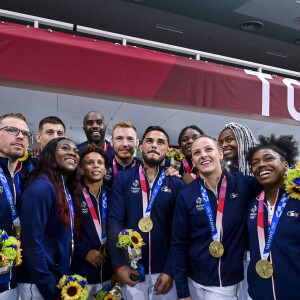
[15, 131]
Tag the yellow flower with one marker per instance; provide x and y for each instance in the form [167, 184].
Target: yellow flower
[72, 291]
[24, 157]
[62, 281]
[297, 165]
[294, 190]
[136, 239]
[110, 297]
[178, 155]
[3, 260]
[19, 255]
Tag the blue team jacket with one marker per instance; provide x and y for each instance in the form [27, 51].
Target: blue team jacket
[88, 240]
[46, 242]
[125, 211]
[191, 234]
[109, 176]
[8, 280]
[285, 253]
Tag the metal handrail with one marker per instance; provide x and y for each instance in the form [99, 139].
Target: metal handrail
[124, 39]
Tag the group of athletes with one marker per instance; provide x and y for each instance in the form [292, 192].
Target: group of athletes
[221, 227]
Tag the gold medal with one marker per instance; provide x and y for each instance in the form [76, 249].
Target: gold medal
[72, 246]
[16, 231]
[104, 250]
[264, 268]
[216, 249]
[145, 224]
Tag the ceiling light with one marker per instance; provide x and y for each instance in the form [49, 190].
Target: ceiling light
[277, 54]
[252, 25]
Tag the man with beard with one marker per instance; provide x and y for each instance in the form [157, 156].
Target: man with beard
[124, 141]
[129, 205]
[14, 136]
[94, 129]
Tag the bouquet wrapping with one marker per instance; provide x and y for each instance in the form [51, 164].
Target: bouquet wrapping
[132, 242]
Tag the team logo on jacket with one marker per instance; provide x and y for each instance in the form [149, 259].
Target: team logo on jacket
[135, 189]
[234, 195]
[84, 208]
[165, 189]
[199, 204]
[108, 174]
[291, 213]
[253, 212]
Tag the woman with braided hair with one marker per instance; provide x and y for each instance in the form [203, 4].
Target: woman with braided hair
[235, 139]
[273, 220]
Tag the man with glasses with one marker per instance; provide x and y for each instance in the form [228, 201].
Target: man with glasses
[14, 136]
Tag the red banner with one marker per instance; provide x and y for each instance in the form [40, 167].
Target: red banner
[58, 59]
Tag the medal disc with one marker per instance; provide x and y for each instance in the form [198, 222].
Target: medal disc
[145, 225]
[264, 268]
[216, 249]
[16, 231]
[104, 249]
[72, 246]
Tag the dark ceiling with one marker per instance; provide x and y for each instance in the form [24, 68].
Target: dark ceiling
[205, 25]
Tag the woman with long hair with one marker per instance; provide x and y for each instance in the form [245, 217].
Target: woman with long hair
[91, 258]
[50, 216]
[235, 139]
[209, 227]
[274, 220]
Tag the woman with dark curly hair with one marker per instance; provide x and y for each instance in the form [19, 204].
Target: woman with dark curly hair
[50, 216]
[274, 221]
[91, 258]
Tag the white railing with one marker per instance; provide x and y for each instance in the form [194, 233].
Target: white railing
[124, 39]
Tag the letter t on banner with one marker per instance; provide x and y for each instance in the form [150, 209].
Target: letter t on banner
[290, 97]
[265, 111]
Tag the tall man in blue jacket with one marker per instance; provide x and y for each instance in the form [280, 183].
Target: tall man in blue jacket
[14, 136]
[94, 128]
[128, 207]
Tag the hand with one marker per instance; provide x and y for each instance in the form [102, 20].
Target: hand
[115, 278]
[124, 275]
[35, 153]
[187, 178]
[163, 284]
[186, 298]
[170, 171]
[95, 257]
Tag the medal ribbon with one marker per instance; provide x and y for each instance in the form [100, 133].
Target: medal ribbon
[100, 225]
[265, 246]
[10, 198]
[147, 207]
[215, 227]
[115, 167]
[105, 145]
[71, 211]
[188, 169]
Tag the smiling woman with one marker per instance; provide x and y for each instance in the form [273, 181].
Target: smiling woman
[50, 212]
[273, 221]
[209, 227]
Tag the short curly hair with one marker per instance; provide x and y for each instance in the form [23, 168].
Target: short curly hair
[93, 148]
[285, 145]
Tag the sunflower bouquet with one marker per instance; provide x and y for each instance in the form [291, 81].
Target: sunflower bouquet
[175, 157]
[132, 242]
[292, 181]
[10, 252]
[73, 287]
[109, 293]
